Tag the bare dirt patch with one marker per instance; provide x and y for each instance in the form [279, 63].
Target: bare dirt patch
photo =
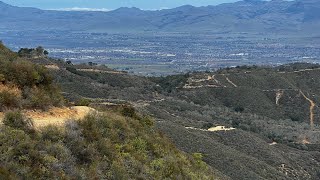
[52, 66]
[56, 116]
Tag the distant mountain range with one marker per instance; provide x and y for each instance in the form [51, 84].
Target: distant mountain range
[276, 16]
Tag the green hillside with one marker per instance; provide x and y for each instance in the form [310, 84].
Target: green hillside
[109, 144]
[243, 98]
[267, 110]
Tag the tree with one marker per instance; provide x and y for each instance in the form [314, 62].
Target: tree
[25, 52]
[40, 51]
[45, 52]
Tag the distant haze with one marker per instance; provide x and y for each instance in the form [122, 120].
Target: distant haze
[111, 4]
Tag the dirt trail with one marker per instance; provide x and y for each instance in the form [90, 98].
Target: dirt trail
[52, 66]
[101, 71]
[233, 84]
[279, 95]
[56, 116]
[218, 82]
[312, 106]
[215, 80]
[301, 70]
[213, 129]
[189, 85]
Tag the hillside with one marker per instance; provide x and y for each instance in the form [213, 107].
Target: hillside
[24, 84]
[248, 16]
[269, 110]
[41, 138]
[266, 112]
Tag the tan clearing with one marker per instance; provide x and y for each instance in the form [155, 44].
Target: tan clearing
[52, 66]
[56, 116]
[220, 128]
[213, 129]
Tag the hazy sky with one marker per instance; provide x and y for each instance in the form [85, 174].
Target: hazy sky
[111, 4]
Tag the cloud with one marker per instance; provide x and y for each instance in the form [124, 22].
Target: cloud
[157, 9]
[82, 9]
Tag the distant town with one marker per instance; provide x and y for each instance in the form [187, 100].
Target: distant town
[157, 54]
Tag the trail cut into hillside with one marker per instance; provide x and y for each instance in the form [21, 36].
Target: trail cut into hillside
[213, 129]
[312, 106]
[301, 70]
[279, 95]
[232, 83]
[56, 116]
[101, 71]
[214, 79]
[52, 67]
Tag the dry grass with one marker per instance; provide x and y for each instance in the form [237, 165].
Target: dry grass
[11, 89]
[56, 116]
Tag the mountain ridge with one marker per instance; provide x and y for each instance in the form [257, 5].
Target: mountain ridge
[242, 16]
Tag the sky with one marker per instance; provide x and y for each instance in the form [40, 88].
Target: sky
[110, 4]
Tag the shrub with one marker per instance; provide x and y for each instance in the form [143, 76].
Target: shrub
[5, 174]
[2, 78]
[128, 111]
[92, 149]
[39, 98]
[15, 119]
[83, 102]
[10, 97]
[239, 109]
[147, 121]
[42, 98]
[71, 69]
[207, 126]
[25, 84]
[296, 118]
[52, 133]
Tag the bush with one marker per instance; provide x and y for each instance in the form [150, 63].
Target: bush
[15, 119]
[10, 97]
[25, 84]
[52, 133]
[38, 98]
[239, 109]
[5, 174]
[83, 102]
[101, 146]
[2, 78]
[42, 97]
[128, 111]
[71, 69]
[207, 126]
[198, 158]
